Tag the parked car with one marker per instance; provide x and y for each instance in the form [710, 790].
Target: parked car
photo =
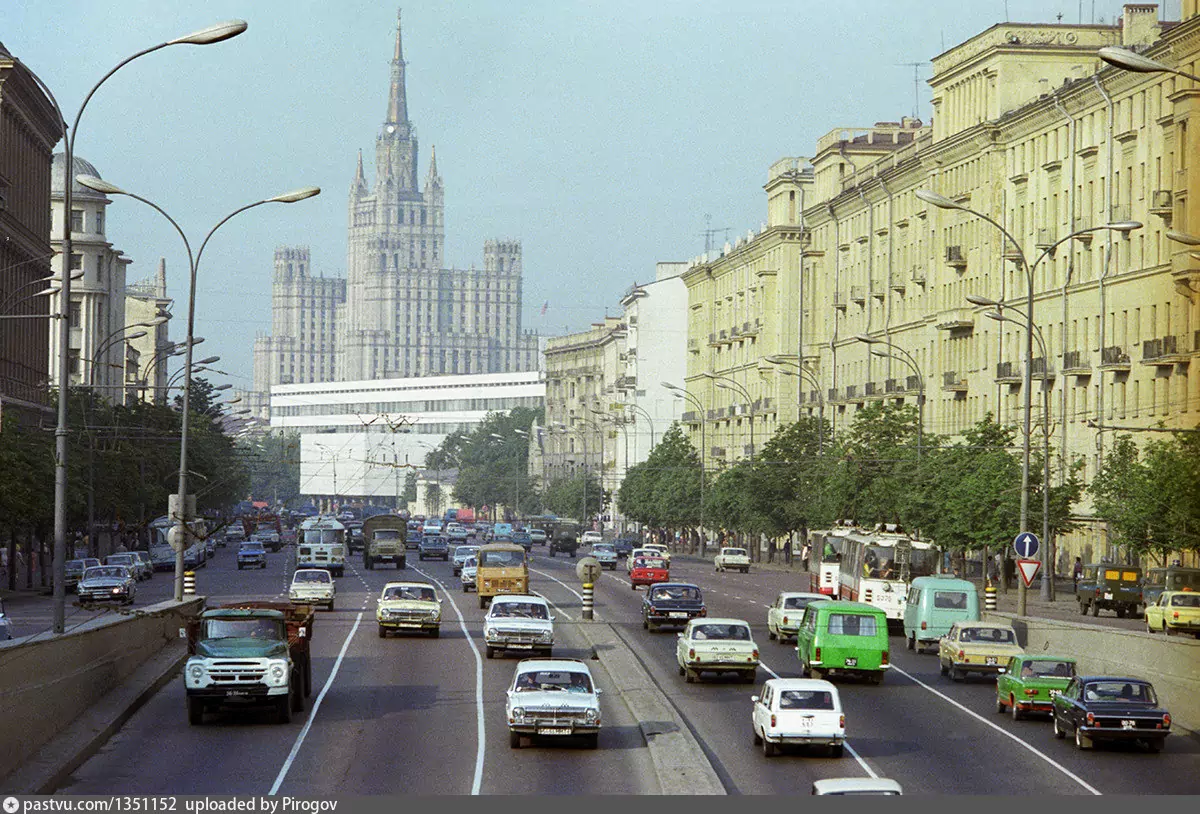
[717, 646]
[1175, 612]
[1106, 586]
[933, 605]
[847, 638]
[798, 712]
[518, 622]
[409, 606]
[672, 603]
[251, 554]
[107, 582]
[732, 559]
[553, 697]
[467, 575]
[463, 553]
[433, 547]
[75, 569]
[647, 571]
[785, 613]
[606, 555]
[856, 785]
[1029, 684]
[313, 586]
[1107, 708]
[977, 647]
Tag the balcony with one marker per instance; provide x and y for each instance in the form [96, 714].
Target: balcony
[1114, 357]
[1162, 204]
[956, 258]
[1169, 350]
[871, 389]
[1074, 364]
[858, 294]
[877, 290]
[839, 300]
[918, 276]
[851, 392]
[717, 452]
[801, 397]
[1046, 238]
[958, 319]
[1040, 370]
[814, 395]
[734, 331]
[625, 383]
[832, 395]
[913, 383]
[751, 328]
[953, 383]
[1008, 372]
[693, 344]
[713, 415]
[691, 417]
[712, 339]
[892, 386]
[898, 285]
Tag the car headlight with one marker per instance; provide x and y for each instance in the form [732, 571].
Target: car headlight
[490, 633]
[547, 636]
[196, 671]
[592, 716]
[277, 670]
[518, 714]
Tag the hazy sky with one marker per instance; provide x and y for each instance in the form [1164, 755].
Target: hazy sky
[600, 134]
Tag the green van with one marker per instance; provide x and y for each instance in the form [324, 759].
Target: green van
[843, 637]
[934, 604]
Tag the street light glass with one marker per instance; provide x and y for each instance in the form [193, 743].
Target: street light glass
[1129, 61]
[135, 335]
[100, 185]
[296, 195]
[223, 387]
[996, 315]
[870, 340]
[881, 354]
[975, 299]
[1183, 237]
[196, 340]
[1124, 226]
[940, 201]
[670, 386]
[214, 33]
[209, 360]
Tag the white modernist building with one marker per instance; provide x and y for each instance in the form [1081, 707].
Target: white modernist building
[360, 439]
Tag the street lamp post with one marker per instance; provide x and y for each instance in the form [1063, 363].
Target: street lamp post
[942, 202]
[583, 442]
[724, 383]
[91, 182]
[908, 359]
[803, 374]
[205, 36]
[682, 393]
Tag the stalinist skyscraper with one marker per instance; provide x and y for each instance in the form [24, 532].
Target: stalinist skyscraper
[400, 311]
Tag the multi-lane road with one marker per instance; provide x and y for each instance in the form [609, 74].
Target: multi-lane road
[426, 716]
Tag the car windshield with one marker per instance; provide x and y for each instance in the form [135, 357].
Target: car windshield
[501, 559]
[950, 600]
[676, 592]
[796, 602]
[465, 551]
[852, 624]
[311, 576]
[105, 571]
[1185, 601]
[1119, 691]
[734, 552]
[75, 565]
[1185, 579]
[518, 610]
[387, 534]
[251, 549]
[738, 633]
[1047, 669]
[549, 680]
[469, 564]
[649, 562]
[988, 635]
[603, 548]
[243, 629]
[806, 699]
[118, 559]
[416, 593]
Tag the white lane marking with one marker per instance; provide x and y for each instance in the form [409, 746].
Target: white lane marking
[565, 585]
[1051, 761]
[312, 716]
[477, 781]
[856, 755]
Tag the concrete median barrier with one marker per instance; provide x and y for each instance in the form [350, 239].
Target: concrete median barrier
[48, 681]
[679, 761]
[1171, 664]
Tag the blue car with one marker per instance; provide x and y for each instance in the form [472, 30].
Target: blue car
[414, 539]
[434, 548]
[523, 539]
[251, 555]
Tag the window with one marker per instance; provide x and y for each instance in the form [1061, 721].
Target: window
[99, 223]
[76, 220]
[851, 624]
[76, 261]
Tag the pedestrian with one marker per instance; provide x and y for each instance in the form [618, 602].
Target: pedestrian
[787, 550]
[1077, 573]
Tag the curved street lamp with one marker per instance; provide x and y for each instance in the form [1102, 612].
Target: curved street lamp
[908, 359]
[205, 36]
[804, 375]
[942, 202]
[681, 392]
[107, 188]
[1128, 60]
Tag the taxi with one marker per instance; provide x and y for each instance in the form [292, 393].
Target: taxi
[1175, 612]
[648, 570]
[977, 647]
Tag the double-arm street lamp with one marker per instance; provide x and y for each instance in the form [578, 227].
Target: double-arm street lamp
[517, 475]
[205, 36]
[907, 358]
[729, 383]
[99, 185]
[942, 202]
[804, 375]
[120, 335]
[680, 392]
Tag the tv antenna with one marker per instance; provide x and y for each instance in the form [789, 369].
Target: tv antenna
[916, 66]
[709, 232]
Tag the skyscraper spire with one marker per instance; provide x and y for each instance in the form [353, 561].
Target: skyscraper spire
[397, 102]
[359, 185]
[433, 178]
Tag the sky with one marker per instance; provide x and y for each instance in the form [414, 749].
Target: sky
[605, 136]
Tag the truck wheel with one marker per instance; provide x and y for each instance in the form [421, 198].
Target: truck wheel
[382, 632]
[514, 740]
[283, 708]
[195, 711]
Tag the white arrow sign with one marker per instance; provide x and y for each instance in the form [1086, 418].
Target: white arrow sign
[1028, 569]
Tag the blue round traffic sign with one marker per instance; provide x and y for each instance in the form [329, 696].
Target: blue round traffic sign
[1026, 544]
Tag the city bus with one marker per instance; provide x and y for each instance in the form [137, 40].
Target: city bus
[877, 567]
[825, 557]
[321, 543]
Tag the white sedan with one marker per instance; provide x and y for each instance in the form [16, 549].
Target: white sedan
[732, 559]
[312, 586]
[716, 646]
[794, 711]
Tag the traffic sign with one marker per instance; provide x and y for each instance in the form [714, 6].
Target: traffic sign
[1028, 570]
[1026, 544]
[588, 570]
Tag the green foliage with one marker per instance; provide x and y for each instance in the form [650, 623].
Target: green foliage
[664, 490]
[879, 464]
[493, 460]
[272, 461]
[579, 497]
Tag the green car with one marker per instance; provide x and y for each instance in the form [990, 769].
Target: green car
[843, 637]
[1029, 684]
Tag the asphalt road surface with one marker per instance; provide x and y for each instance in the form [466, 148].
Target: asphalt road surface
[403, 714]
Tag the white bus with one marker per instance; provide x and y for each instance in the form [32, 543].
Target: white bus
[878, 566]
[321, 543]
[825, 557]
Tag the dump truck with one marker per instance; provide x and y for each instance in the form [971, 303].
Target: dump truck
[249, 654]
[384, 540]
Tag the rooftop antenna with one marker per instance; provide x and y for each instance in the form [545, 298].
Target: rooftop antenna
[709, 232]
[916, 66]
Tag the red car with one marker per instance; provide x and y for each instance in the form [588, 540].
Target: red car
[647, 571]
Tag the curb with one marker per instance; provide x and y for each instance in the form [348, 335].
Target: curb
[679, 761]
[54, 763]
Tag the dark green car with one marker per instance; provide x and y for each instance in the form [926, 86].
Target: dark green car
[1029, 684]
[1107, 586]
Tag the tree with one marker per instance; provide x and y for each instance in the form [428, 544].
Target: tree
[879, 464]
[273, 464]
[568, 497]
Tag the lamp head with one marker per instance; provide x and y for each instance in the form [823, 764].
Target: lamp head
[214, 33]
[934, 199]
[1127, 60]
[135, 335]
[99, 185]
[881, 354]
[1123, 226]
[975, 299]
[196, 340]
[296, 195]
[225, 386]
[670, 386]
[209, 360]
[870, 340]
[996, 315]
[1183, 237]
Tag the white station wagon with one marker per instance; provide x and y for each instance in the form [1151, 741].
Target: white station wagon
[732, 559]
[787, 611]
[798, 711]
[718, 646]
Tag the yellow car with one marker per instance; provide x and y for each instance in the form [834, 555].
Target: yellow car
[409, 606]
[1175, 612]
[977, 647]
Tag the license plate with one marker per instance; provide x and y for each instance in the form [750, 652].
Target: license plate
[407, 624]
[678, 615]
[851, 662]
[989, 660]
[1129, 724]
[550, 730]
[806, 723]
[236, 693]
[521, 646]
[1108, 596]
